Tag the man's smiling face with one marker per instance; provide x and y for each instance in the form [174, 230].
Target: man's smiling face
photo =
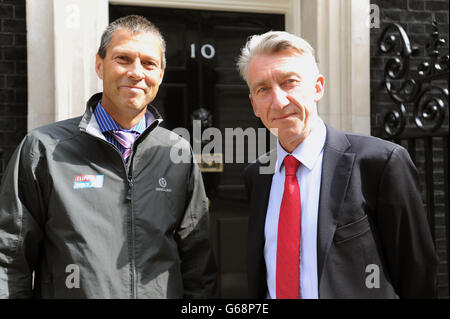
[131, 72]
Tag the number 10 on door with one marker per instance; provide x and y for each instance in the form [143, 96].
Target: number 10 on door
[207, 51]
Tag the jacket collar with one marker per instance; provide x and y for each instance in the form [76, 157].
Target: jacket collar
[89, 124]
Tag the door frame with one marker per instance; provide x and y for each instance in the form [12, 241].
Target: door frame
[290, 8]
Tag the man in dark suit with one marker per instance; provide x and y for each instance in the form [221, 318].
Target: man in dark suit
[338, 215]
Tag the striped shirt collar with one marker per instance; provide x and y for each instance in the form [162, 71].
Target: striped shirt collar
[107, 123]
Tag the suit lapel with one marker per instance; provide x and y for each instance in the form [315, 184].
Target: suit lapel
[263, 192]
[261, 200]
[261, 181]
[336, 171]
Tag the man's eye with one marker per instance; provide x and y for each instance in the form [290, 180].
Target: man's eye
[261, 90]
[149, 63]
[290, 83]
[122, 58]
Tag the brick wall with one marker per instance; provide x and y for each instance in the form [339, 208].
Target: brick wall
[415, 16]
[13, 78]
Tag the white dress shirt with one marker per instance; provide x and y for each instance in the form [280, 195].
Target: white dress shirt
[310, 154]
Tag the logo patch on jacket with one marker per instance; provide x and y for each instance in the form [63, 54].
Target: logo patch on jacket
[88, 181]
[163, 183]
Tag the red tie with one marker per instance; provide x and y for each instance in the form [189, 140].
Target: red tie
[288, 243]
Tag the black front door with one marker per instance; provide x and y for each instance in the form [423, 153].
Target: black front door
[201, 78]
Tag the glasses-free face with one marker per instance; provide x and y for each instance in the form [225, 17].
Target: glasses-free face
[284, 90]
[131, 72]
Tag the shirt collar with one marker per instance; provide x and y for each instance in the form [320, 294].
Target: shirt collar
[107, 123]
[308, 151]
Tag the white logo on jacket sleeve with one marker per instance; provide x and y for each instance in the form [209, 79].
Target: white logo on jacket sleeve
[88, 181]
[163, 183]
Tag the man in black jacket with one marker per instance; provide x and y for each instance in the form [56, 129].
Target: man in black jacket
[95, 206]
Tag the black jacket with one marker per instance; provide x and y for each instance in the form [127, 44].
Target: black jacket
[370, 213]
[90, 226]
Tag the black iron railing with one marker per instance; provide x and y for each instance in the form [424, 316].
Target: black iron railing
[418, 120]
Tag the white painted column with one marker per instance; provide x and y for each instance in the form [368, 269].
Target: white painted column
[292, 18]
[40, 63]
[342, 42]
[63, 37]
[78, 26]
[360, 76]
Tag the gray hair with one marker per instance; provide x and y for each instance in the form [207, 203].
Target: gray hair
[269, 43]
[134, 24]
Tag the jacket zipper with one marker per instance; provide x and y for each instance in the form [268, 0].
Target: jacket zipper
[132, 232]
[133, 291]
[129, 197]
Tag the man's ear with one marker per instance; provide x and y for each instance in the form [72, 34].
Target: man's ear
[99, 66]
[255, 108]
[319, 86]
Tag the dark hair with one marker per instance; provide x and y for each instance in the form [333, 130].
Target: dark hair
[133, 23]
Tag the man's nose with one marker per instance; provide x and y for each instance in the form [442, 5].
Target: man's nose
[280, 97]
[136, 71]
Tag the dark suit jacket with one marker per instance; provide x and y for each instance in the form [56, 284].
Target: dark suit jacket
[370, 213]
